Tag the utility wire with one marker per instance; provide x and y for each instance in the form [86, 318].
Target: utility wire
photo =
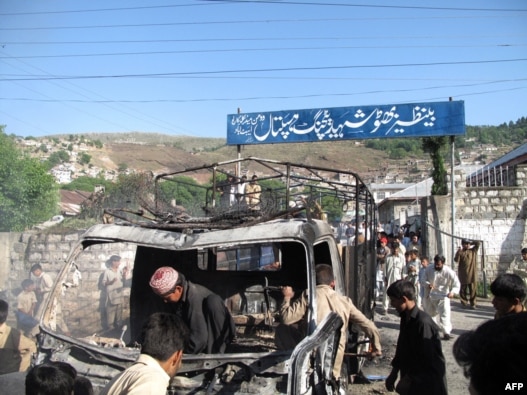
[228, 22]
[185, 73]
[274, 97]
[214, 2]
[256, 50]
[246, 39]
[403, 7]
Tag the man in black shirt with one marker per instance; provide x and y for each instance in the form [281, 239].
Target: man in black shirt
[419, 357]
[210, 323]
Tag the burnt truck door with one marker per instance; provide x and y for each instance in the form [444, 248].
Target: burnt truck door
[312, 361]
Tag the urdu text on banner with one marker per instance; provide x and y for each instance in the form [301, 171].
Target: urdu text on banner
[347, 123]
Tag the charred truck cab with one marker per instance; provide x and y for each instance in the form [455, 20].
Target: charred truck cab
[242, 251]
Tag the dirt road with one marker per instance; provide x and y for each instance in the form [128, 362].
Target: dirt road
[462, 319]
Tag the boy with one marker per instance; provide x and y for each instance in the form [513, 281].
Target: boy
[509, 292]
[26, 302]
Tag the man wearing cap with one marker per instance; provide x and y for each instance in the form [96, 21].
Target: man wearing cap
[211, 325]
[466, 257]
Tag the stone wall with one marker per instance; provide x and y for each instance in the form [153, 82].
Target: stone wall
[20, 251]
[80, 306]
[495, 215]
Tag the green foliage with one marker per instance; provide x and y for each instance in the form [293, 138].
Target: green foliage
[84, 158]
[98, 144]
[184, 191]
[28, 194]
[56, 158]
[333, 207]
[398, 153]
[43, 148]
[434, 146]
[122, 167]
[87, 184]
[512, 133]
[397, 148]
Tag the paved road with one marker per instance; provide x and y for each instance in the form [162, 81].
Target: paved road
[462, 319]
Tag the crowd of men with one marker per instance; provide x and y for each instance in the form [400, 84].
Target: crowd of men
[418, 291]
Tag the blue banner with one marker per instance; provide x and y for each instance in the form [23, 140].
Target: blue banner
[347, 123]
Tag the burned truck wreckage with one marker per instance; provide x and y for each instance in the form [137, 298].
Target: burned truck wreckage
[241, 243]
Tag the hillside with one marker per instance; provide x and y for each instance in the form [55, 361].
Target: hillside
[161, 158]
[373, 160]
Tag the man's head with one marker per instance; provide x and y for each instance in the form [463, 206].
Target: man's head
[524, 254]
[493, 355]
[465, 243]
[254, 179]
[4, 310]
[415, 239]
[413, 254]
[167, 283]
[439, 262]
[49, 379]
[402, 295]
[114, 261]
[36, 269]
[384, 241]
[28, 285]
[163, 337]
[394, 247]
[324, 274]
[424, 261]
[509, 292]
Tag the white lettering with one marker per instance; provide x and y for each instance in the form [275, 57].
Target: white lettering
[513, 386]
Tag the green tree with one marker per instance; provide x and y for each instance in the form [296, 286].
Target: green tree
[185, 191]
[434, 146]
[87, 184]
[28, 194]
[84, 159]
[57, 158]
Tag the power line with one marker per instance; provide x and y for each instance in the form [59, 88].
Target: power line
[164, 75]
[257, 39]
[280, 2]
[131, 113]
[228, 22]
[214, 2]
[275, 97]
[256, 50]
[151, 7]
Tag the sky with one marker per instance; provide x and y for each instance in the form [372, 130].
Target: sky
[180, 67]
